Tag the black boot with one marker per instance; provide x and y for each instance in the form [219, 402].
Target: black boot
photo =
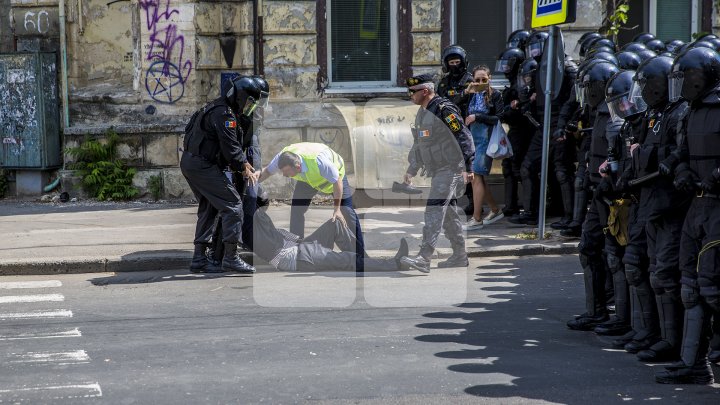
[573, 230]
[594, 277]
[613, 327]
[233, 262]
[200, 262]
[561, 224]
[402, 252]
[416, 263]
[459, 258]
[620, 342]
[670, 312]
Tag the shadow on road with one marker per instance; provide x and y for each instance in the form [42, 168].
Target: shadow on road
[512, 336]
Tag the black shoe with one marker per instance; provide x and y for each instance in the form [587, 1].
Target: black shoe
[455, 260]
[405, 188]
[233, 262]
[634, 346]
[402, 252]
[620, 342]
[523, 219]
[572, 230]
[201, 263]
[416, 263]
[561, 224]
[509, 212]
[613, 327]
[660, 352]
[714, 356]
[469, 210]
[586, 322]
[696, 374]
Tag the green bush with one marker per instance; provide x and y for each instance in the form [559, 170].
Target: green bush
[104, 176]
[3, 183]
[155, 185]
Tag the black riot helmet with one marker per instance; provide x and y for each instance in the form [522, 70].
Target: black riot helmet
[703, 37]
[536, 44]
[595, 80]
[655, 45]
[264, 87]
[518, 39]
[674, 45]
[628, 60]
[509, 62]
[526, 78]
[651, 81]
[587, 43]
[592, 51]
[646, 54]
[694, 73]
[703, 44]
[606, 56]
[618, 97]
[604, 42]
[634, 47]
[581, 72]
[643, 37]
[584, 37]
[245, 94]
[454, 52]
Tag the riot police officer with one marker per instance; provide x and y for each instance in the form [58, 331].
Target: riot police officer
[695, 76]
[211, 141]
[453, 86]
[442, 149]
[520, 128]
[665, 208]
[592, 239]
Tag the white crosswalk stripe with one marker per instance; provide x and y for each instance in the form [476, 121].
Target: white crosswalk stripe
[20, 358]
[12, 299]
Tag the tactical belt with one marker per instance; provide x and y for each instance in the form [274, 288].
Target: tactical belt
[703, 194]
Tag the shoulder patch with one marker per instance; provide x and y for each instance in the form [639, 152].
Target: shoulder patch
[230, 124]
[453, 122]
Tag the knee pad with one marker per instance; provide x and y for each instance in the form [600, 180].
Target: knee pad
[614, 264]
[561, 176]
[633, 274]
[633, 257]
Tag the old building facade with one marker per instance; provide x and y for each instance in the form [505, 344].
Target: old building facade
[143, 66]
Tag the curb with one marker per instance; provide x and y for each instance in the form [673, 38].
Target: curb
[175, 261]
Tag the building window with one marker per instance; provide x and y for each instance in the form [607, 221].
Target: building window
[362, 43]
[481, 27]
[674, 19]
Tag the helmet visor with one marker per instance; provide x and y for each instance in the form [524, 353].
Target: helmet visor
[255, 108]
[579, 94]
[534, 50]
[623, 106]
[594, 93]
[636, 91]
[675, 85]
[502, 66]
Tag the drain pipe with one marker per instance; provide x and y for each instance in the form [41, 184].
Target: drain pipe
[260, 41]
[63, 63]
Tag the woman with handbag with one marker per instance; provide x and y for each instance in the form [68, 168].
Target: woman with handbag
[481, 118]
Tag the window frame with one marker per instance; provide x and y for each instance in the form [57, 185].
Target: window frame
[365, 86]
[695, 18]
[514, 15]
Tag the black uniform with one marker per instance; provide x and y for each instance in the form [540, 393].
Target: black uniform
[453, 88]
[211, 140]
[442, 148]
[520, 131]
[666, 212]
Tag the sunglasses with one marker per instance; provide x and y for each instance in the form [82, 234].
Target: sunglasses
[413, 91]
[483, 80]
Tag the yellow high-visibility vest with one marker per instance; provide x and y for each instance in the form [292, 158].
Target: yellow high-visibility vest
[308, 152]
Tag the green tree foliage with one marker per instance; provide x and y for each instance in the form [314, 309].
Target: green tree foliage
[615, 21]
[104, 176]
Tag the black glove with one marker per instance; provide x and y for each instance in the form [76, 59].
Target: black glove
[667, 166]
[571, 127]
[605, 188]
[559, 133]
[711, 181]
[685, 181]
[623, 183]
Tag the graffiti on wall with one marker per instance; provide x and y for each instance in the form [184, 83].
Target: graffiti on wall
[169, 69]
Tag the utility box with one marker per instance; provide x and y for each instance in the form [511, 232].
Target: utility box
[29, 115]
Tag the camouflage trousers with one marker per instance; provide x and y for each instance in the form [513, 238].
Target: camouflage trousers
[441, 212]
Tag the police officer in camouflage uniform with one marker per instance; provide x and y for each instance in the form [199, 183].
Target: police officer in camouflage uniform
[211, 140]
[443, 149]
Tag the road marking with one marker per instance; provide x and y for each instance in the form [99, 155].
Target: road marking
[42, 335]
[57, 313]
[61, 358]
[87, 390]
[30, 284]
[12, 299]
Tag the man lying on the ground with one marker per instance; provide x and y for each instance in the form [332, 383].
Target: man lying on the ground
[287, 252]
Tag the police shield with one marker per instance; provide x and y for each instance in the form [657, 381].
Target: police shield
[556, 61]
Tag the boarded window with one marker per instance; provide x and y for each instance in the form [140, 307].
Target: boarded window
[360, 41]
[481, 28]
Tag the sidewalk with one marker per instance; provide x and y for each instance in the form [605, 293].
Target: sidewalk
[86, 237]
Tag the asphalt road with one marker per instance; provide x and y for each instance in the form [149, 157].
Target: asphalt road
[493, 334]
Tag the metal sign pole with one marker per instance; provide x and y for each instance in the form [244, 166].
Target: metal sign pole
[546, 130]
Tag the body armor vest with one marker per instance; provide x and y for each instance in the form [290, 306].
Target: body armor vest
[437, 146]
[703, 139]
[661, 137]
[195, 133]
[598, 143]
